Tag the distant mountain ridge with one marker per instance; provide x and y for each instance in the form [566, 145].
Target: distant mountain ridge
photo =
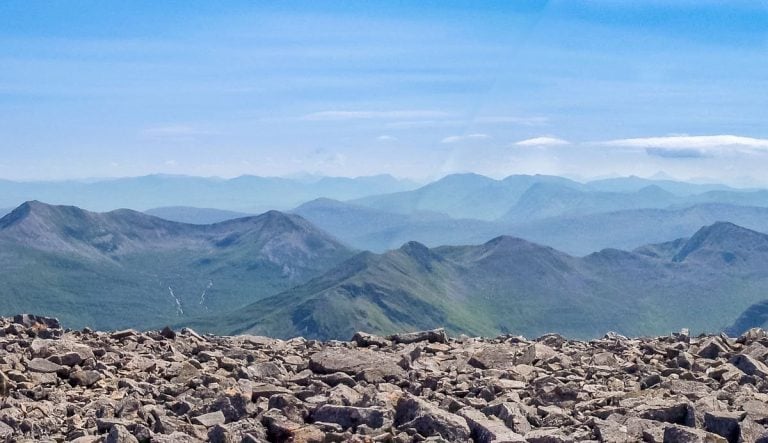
[246, 193]
[511, 285]
[195, 216]
[377, 230]
[124, 268]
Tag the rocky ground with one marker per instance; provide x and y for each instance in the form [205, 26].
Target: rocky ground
[168, 386]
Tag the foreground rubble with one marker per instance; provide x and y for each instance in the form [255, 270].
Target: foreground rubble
[168, 386]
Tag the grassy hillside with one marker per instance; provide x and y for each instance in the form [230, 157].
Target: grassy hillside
[508, 285]
[124, 268]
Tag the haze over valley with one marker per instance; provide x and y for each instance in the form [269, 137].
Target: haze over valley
[542, 253]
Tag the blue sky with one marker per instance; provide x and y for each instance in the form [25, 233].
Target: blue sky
[416, 89]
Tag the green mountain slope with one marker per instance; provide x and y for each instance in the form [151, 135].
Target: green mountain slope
[511, 285]
[755, 316]
[125, 268]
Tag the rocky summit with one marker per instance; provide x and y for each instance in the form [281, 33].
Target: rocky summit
[179, 386]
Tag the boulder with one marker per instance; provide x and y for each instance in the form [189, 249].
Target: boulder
[429, 420]
[352, 417]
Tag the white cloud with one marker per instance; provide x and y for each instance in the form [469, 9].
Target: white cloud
[702, 143]
[369, 115]
[386, 138]
[462, 138]
[411, 124]
[170, 163]
[525, 121]
[543, 141]
[175, 133]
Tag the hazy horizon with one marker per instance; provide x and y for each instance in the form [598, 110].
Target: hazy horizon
[739, 182]
[417, 90]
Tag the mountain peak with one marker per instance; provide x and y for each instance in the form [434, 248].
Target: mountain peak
[510, 244]
[36, 209]
[322, 202]
[278, 219]
[722, 237]
[420, 253]
[415, 249]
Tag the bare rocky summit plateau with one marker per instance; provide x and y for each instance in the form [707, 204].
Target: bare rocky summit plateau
[166, 386]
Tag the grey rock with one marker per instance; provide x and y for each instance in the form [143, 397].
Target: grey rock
[429, 420]
[119, 434]
[210, 419]
[352, 417]
[433, 336]
[84, 378]
[749, 365]
[44, 366]
[365, 340]
[183, 387]
[683, 434]
[486, 429]
[725, 424]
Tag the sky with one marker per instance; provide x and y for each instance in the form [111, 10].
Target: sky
[416, 89]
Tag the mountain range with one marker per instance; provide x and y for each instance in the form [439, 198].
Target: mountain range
[378, 231]
[577, 218]
[623, 254]
[128, 269]
[195, 216]
[250, 194]
[509, 285]
[521, 198]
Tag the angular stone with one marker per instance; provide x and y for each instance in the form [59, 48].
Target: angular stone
[168, 333]
[429, 420]
[712, 347]
[608, 431]
[493, 357]
[280, 428]
[352, 417]
[68, 359]
[84, 378]
[752, 431]
[365, 340]
[119, 434]
[550, 435]
[534, 353]
[352, 362]
[725, 424]
[432, 336]
[512, 414]
[668, 411]
[267, 390]
[43, 366]
[119, 335]
[485, 429]
[684, 434]
[6, 432]
[337, 378]
[267, 370]
[30, 321]
[749, 365]
[210, 419]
